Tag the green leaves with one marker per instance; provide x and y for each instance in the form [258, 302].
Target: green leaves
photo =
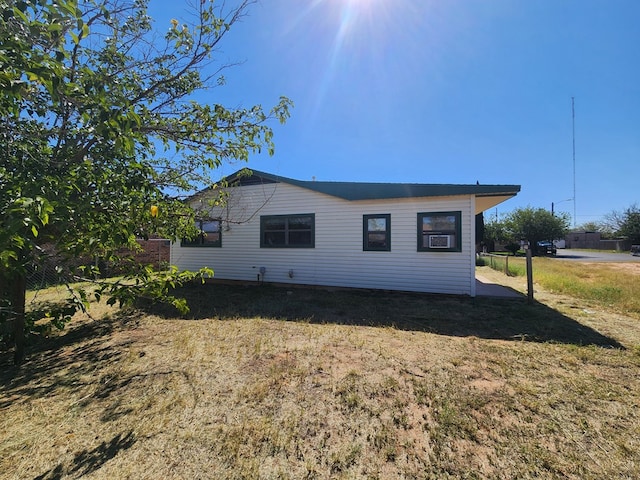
[20, 13]
[629, 226]
[23, 219]
[88, 94]
[534, 225]
[145, 284]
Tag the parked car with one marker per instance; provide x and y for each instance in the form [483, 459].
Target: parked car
[546, 248]
[635, 250]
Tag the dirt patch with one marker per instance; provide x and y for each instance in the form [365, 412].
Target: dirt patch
[627, 267]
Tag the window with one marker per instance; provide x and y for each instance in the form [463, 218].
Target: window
[439, 232]
[287, 231]
[210, 235]
[376, 232]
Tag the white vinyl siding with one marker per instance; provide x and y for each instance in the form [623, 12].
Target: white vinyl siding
[338, 258]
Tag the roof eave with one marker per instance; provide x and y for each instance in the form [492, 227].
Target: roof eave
[492, 195]
[486, 202]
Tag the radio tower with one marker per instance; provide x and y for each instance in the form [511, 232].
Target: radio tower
[573, 128]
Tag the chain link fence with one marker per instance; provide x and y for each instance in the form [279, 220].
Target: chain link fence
[50, 270]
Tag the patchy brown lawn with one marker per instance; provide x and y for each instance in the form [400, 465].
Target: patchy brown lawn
[625, 268]
[273, 383]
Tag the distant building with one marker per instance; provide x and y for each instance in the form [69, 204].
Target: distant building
[594, 241]
[583, 240]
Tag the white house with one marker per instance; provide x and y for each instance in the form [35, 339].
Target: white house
[409, 237]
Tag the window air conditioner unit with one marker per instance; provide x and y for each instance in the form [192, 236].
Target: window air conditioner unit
[439, 241]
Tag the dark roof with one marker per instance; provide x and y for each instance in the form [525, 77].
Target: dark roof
[376, 191]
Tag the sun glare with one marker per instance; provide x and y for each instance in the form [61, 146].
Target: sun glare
[354, 36]
[352, 15]
[358, 28]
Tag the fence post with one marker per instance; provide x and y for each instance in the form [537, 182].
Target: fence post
[506, 265]
[529, 274]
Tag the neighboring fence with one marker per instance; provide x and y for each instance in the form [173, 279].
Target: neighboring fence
[618, 245]
[155, 252]
[501, 263]
[594, 241]
[496, 262]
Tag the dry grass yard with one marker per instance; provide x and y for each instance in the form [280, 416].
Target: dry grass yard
[270, 383]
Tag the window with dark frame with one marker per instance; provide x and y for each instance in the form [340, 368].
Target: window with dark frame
[439, 232]
[287, 231]
[210, 235]
[376, 232]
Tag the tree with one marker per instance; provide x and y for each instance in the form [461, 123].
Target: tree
[589, 227]
[99, 123]
[494, 232]
[603, 227]
[612, 222]
[630, 225]
[625, 223]
[534, 225]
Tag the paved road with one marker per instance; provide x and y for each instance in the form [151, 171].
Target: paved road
[584, 256]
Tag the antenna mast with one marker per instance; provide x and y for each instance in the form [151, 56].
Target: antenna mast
[573, 128]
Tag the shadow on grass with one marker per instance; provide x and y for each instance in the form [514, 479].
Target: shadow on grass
[88, 461]
[75, 364]
[69, 360]
[60, 361]
[483, 317]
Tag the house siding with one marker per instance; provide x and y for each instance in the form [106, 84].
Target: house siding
[338, 258]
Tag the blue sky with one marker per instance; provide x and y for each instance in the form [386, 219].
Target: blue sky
[447, 91]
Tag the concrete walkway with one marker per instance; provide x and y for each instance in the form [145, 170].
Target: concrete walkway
[486, 288]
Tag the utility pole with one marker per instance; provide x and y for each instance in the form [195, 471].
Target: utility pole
[553, 205]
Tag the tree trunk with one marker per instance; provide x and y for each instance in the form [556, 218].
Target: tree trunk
[13, 295]
[18, 298]
[5, 299]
